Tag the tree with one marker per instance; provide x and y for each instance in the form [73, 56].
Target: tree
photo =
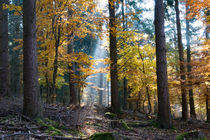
[181, 63]
[32, 102]
[60, 24]
[113, 57]
[164, 113]
[189, 69]
[15, 30]
[72, 88]
[4, 55]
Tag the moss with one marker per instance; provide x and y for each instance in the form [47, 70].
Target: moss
[82, 135]
[110, 115]
[124, 125]
[202, 139]
[102, 136]
[155, 123]
[73, 132]
[52, 127]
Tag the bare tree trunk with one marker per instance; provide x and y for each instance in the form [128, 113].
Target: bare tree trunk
[115, 102]
[72, 93]
[55, 71]
[148, 99]
[47, 89]
[100, 90]
[4, 54]
[189, 69]
[164, 112]
[207, 107]
[15, 66]
[125, 81]
[125, 96]
[32, 102]
[182, 67]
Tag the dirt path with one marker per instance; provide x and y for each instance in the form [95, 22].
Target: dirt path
[82, 122]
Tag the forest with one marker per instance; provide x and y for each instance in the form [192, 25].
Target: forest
[104, 69]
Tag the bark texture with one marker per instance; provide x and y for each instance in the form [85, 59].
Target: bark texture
[32, 102]
[74, 99]
[207, 107]
[189, 69]
[4, 54]
[113, 57]
[164, 112]
[182, 66]
[100, 90]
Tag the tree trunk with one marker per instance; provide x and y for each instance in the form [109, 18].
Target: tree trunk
[32, 102]
[148, 99]
[15, 66]
[113, 57]
[182, 67]
[72, 93]
[4, 54]
[125, 93]
[125, 83]
[189, 69]
[55, 71]
[100, 90]
[164, 112]
[47, 88]
[207, 108]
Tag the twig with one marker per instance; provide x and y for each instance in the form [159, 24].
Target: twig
[38, 136]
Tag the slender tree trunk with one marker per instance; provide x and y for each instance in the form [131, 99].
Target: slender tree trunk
[189, 69]
[115, 102]
[148, 99]
[72, 93]
[125, 96]
[32, 102]
[125, 81]
[100, 90]
[15, 83]
[108, 91]
[182, 67]
[57, 35]
[4, 54]
[47, 88]
[207, 107]
[208, 91]
[164, 112]
[55, 71]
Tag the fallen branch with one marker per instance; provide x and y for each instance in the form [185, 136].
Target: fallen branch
[39, 136]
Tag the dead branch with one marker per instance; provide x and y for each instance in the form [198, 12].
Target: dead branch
[39, 136]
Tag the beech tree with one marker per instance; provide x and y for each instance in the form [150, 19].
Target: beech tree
[181, 63]
[4, 55]
[164, 113]
[32, 103]
[189, 69]
[115, 103]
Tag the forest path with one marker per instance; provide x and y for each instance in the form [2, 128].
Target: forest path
[82, 122]
[95, 122]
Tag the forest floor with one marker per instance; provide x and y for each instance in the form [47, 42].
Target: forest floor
[64, 122]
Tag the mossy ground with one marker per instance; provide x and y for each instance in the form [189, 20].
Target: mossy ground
[102, 136]
[53, 128]
[110, 115]
[193, 134]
